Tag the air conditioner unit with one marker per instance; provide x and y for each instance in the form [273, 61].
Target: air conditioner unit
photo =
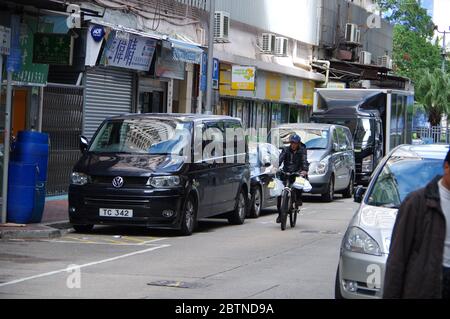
[351, 33]
[281, 46]
[221, 26]
[365, 57]
[385, 61]
[268, 43]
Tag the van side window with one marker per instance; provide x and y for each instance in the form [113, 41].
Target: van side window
[235, 132]
[213, 134]
[343, 141]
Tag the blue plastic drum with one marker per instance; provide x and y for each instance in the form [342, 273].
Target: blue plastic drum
[21, 192]
[33, 148]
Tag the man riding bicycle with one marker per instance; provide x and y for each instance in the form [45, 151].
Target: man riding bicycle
[295, 160]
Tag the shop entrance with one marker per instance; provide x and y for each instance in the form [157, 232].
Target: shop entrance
[152, 102]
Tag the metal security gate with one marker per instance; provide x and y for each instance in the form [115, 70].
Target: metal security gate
[62, 119]
[109, 92]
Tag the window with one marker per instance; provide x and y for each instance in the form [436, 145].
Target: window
[344, 143]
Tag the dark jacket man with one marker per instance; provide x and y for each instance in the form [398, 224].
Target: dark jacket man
[295, 161]
[414, 267]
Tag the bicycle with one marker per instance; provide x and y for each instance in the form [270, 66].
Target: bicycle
[288, 204]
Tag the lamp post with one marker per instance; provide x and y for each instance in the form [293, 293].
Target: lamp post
[444, 48]
[209, 88]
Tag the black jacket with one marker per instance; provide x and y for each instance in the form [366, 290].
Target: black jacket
[414, 267]
[295, 162]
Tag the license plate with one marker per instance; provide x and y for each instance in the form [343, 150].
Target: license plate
[114, 212]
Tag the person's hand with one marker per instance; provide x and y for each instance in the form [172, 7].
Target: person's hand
[304, 173]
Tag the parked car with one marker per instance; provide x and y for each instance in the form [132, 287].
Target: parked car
[365, 247]
[330, 154]
[151, 170]
[264, 159]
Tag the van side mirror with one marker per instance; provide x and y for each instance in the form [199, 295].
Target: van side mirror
[336, 147]
[84, 144]
[359, 194]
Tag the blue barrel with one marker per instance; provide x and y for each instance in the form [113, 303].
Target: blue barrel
[33, 148]
[39, 203]
[21, 192]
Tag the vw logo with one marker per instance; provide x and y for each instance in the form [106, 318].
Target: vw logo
[118, 182]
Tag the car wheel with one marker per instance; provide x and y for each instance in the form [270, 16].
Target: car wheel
[337, 287]
[255, 209]
[189, 221]
[83, 228]
[237, 217]
[329, 195]
[349, 191]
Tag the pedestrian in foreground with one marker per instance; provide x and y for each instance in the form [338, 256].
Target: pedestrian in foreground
[418, 266]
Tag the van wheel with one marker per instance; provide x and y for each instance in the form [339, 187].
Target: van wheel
[329, 195]
[349, 191]
[337, 287]
[237, 217]
[83, 228]
[255, 209]
[189, 218]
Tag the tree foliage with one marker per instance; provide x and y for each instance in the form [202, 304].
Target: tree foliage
[433, 92]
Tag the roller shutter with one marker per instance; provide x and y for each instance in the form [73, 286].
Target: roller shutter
[109, 92]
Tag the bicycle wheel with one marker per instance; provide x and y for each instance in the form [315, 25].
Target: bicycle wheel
[293, 217]
[284, 209]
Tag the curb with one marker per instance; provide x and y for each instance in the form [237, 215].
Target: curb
[44, 232]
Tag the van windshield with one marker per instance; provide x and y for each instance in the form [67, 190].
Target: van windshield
[361, 129]
[143, 136]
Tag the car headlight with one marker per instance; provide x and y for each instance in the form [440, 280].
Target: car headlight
[318, 168]
[367, 164]
[164, 181]
[79, 179]
[358, 241]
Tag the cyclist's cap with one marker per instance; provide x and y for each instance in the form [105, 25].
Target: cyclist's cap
[295, 139]
[447, 159]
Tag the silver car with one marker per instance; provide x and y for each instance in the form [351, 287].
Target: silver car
[330, 154]
[365, 247]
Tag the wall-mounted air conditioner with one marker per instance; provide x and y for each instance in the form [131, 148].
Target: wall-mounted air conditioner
[222, 26]
[268, 43]
[352, 33]
[385, 61]
[365, 57]
[281, 46]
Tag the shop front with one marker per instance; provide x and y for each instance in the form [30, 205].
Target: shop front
[273, 99]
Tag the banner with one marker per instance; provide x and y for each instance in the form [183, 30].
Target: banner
[243, 78]
[129, 51]
[167, 67]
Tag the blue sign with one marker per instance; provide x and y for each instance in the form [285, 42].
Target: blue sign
[14, 61]
[216, 73]
[98, 33]
[204, 72]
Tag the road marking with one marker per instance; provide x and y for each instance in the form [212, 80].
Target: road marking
[51, 273]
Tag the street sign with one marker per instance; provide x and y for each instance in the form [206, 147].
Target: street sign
[14, 61]
[5, 40]
[53, 48]
[216, 74]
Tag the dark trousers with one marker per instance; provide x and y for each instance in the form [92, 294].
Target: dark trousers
[446, 284]
[296, 193]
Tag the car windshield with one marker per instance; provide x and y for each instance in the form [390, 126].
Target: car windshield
[395, 183]
[361, 129]
[143, 136]
[312, 138]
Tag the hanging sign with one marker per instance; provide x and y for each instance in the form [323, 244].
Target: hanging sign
[243, 78]
[130, 51]
[5, 40]
[53, 48]
[97, 33]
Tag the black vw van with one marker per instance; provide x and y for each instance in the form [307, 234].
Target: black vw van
[161, 171]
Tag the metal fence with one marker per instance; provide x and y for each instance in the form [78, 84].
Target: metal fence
[433, 135]
[62, 120]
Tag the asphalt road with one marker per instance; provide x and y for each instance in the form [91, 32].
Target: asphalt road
[255, 260]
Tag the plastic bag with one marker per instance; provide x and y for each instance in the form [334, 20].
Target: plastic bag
[276, 187]
[302, 184]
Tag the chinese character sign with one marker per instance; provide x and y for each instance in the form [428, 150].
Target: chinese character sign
[130, 52]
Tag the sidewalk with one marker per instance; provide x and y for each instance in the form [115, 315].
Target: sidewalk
[54, 223]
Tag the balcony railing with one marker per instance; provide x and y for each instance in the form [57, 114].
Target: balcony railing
[199, 4]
